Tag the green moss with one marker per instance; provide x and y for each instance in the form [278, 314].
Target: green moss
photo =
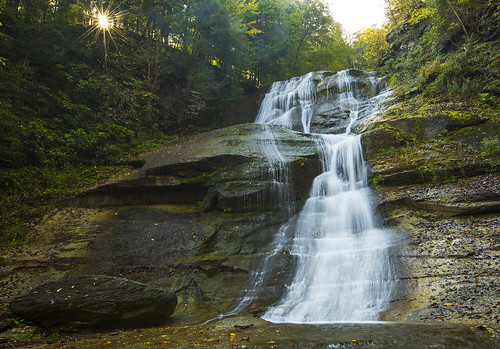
[435, 161]
[392, 150]
[376, 181]
[204, 177]
[459, 115]
[396, 112]
[215, 256]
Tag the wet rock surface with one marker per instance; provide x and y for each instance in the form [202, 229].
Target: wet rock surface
[204, 258]
[95, 302]
[226, 168]
[328, 117]
[251, 332]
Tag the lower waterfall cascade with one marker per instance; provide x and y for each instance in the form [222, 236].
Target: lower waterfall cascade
[344, 271]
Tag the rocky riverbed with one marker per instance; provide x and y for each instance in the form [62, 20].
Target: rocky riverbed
[252, 332]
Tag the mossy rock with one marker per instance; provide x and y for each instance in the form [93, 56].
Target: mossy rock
[475, 135]
[380, 139]
[430, 127]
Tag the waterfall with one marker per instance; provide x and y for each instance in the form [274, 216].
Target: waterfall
[343, 268]
[289, 104]
[344, 271]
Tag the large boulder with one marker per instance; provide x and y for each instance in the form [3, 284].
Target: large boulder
[381, 138]
[438, 147]
[95, 302]
[430, 127]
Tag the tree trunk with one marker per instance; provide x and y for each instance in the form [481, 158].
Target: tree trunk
[297, 55]
[458, 17]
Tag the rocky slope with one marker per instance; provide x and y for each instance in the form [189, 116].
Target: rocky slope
[440, 190]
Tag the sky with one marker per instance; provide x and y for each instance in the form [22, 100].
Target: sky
[355, 15]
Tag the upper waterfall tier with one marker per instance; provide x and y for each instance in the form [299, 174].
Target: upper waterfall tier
[322, 102]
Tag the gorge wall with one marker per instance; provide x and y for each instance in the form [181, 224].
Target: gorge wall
[199, 215]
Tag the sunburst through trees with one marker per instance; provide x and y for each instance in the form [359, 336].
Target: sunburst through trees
[105, 20]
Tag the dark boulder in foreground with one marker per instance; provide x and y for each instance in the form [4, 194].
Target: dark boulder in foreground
[95, 302]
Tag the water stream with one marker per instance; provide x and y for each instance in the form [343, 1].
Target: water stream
[344, 271]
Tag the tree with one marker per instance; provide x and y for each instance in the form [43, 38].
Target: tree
[444, 47]
[368, 47]
[309, 21]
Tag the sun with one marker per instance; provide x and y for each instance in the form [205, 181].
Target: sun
[106, 21]
[103, 21]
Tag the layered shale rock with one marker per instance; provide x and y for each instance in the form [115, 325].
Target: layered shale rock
[194, 219]
[222, 170]
[439, 188]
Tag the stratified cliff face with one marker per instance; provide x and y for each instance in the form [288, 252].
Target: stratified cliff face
[439, 187]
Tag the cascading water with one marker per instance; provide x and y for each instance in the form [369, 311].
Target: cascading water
[344, 271]
[343, 268]
[289, 104]
[287, 101]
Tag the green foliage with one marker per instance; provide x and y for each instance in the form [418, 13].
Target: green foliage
[29, 192]
[76, 99]
[491, 146]
[444, 49]
[22, 337]
[24, 334]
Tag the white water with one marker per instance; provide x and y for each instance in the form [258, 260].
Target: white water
[344, 271]
[289, 104]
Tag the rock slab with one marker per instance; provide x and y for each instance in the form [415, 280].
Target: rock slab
[95, 302]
